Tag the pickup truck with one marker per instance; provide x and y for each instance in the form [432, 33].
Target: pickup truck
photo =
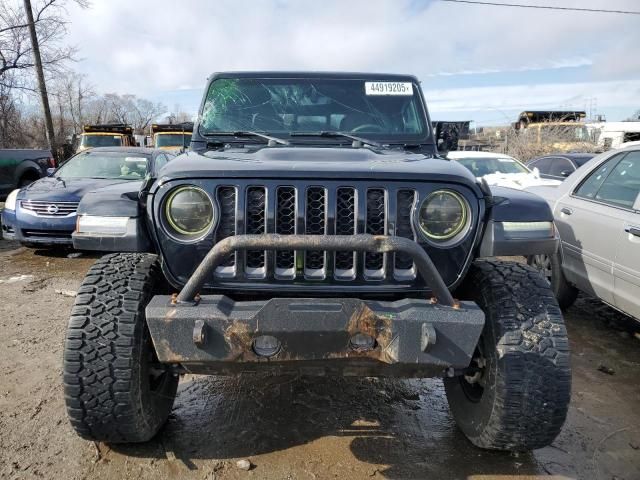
[20, 167]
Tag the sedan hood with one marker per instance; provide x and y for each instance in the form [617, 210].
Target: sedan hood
[69, 190]
[518, 181]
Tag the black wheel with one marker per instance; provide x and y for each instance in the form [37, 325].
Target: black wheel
[115, 388]
[550, 266]
[516, 393]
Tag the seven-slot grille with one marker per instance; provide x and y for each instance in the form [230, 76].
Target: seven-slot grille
[49, 209]
[310, 209]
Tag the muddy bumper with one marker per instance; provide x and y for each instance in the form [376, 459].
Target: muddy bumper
[409, 337]
[345, 336]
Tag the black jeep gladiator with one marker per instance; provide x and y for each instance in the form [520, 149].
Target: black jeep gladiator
[313, 229]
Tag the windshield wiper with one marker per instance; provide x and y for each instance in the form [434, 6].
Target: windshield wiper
[247, 133]
[330, 134]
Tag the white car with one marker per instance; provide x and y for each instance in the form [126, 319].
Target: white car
[597, 213]
[500, 169]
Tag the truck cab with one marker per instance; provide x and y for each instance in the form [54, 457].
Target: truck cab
[555, 131]
[172, 136]
[106, 135]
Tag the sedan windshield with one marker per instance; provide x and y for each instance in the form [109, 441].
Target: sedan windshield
[173, 139]
[104, 165]
[486, 166]
[388, 111]
[101, 140]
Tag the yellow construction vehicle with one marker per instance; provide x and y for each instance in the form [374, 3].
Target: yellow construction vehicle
[175, 136]
[106, 135]
[556, 131]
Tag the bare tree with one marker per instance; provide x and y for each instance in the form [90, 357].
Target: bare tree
[11, 133]
[178, 115]
[544, 139]
[134, 111]
[16, 52]
[73, 95]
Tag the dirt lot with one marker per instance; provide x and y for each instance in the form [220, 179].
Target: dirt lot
[296, 428]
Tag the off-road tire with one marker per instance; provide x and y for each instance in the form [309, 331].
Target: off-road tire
[551, 268]
[526, 381]
[108, 355]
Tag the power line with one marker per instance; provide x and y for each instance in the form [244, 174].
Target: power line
[544, 7]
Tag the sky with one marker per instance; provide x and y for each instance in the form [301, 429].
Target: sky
[480, 63]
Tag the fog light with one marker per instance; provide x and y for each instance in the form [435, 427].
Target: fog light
[266, 345]
[362, 342]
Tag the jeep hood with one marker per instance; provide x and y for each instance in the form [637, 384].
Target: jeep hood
[317, 162]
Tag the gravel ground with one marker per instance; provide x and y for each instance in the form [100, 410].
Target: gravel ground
[296, 428]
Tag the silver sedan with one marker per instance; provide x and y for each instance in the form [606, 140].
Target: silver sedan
[597, 213]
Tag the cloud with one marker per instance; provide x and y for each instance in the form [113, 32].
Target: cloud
[521, 97]
[148, 47]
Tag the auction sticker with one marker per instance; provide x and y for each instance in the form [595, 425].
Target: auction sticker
[388, 88]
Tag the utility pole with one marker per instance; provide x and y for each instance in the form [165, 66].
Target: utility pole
[37, 60]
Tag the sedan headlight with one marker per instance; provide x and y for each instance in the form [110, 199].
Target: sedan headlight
[443, 216]
[189, 212]
[10, 202]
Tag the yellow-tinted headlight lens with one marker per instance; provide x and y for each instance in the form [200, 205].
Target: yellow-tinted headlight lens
[443, 215]
[189, 211]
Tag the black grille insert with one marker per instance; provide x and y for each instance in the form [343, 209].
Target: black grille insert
[406, 199]
[315, 224]
[227, 226]
[346, 222]
[376, 225]
[286, 225]
[255, 223]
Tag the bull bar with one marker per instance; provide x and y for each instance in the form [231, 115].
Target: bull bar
[357, 243]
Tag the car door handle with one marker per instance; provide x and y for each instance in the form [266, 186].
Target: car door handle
[633, 231]
[566, 210]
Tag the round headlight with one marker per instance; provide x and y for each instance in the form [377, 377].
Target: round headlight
[189, 212]
[443, 215]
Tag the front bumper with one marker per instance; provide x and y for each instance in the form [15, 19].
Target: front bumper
[413, 337]
[31, 230]
[8, 221]
[410, 337]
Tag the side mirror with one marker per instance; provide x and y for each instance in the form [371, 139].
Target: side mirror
[536, 172]
[443, 147]
[636, 204]
[50, 172]
[565, 173]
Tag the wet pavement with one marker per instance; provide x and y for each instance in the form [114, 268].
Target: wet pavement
[293, 428]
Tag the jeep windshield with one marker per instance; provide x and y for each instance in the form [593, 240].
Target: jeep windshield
[387, 111]
[104, 165]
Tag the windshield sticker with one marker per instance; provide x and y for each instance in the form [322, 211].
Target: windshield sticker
[388, 88]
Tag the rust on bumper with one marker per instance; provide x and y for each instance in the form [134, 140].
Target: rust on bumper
[413, 337]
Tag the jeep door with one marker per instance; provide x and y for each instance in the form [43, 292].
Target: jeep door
[590, 228]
